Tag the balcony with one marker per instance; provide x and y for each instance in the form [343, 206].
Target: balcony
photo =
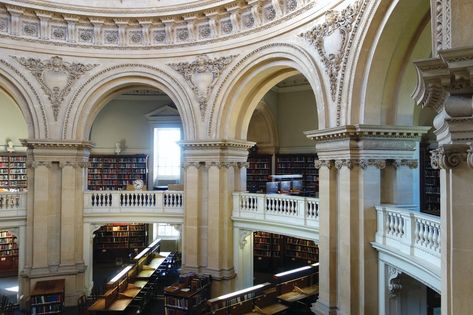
[133, 202]
[285, 214]
[13, 205]
[410, 240]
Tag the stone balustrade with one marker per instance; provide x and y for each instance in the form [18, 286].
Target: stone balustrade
[282, 209]
[409, 232]
[12, 204]
[133, 201]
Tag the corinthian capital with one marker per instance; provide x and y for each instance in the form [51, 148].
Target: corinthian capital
[449, 156]
[323, 163]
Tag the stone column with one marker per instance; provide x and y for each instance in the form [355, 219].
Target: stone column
[54, 244]
[348, 193]
[446, 86]
[213, 172]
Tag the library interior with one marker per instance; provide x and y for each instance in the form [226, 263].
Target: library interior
[236, 157]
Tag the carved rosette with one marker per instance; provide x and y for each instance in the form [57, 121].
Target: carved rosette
[201, 75]
[55, 77]
[337, 29]
[449, 156]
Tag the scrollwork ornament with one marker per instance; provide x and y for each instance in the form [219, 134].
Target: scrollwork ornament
[469, 158]
[341, 163]
[243, 238]
[202, 75]
[197, 165]
[63, 164]
[448, 156]
[55, 70]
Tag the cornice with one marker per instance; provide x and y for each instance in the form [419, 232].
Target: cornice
[366, 131]
[230, 20]
[56, 144]
[216, 144]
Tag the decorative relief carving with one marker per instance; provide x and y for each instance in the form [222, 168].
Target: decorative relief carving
[442, 25]
[362, 163]
[269, 13]
[136, 37]
[248, 20]
[291, 5]
[182, 34]
[332, 40]
[323, 163]
[111, 37]
[394, 280]
[58, 33]
[227, 27]
[4, 25]
[30, 29]
[220, 164]
[55, 77]
[202, 74]
[204, 31]
[193, 164]
[341, 163]
[243, 238]
[160, 36]
[409, 163]
[449, 156]
[86, 35]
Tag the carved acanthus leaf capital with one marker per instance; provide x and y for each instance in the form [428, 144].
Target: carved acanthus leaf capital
[243, 238]
[195, 164]
[449, 156]
[323, 163]
[394, 280]
[55, 76]
[404, 162]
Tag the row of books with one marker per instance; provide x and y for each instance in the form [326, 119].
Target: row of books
[118, 160]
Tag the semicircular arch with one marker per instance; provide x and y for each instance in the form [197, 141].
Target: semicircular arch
[252, 77]
[101, 88]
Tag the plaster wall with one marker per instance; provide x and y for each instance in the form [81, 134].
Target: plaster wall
[12, 123]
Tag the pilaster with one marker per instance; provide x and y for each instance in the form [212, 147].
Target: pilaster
[56, 172]
[351, 161]
[212, 173]
[445, 84]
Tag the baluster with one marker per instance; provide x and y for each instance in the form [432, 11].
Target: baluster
[430, 235]
[92, 200]
[426, 233]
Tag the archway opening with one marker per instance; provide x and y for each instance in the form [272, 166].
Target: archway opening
[13, 190]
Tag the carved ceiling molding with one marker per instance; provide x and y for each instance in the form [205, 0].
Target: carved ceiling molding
[55, 77]
[202, 75]
[224, 22]
[333, 41]
[32, 89]
[441, 28]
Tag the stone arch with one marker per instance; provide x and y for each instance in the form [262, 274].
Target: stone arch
[102, 87]
[385, 54]
[15, 85]
[251, 77]
[265, 120]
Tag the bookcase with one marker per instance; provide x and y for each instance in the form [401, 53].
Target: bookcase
[259, 168]
[114, 172]
[302, 164]
[8, 254]
[47, 297]
[267, 249]
[13, 171]
[274, 251]
[188, 296]
[429, 182]
[118, 240]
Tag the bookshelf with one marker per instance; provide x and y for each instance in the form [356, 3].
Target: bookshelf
[302, 164]
[267, 249]
[114, 172]
[188, 296]
[259, 169]
[429, 182]
[13, 171]
[118, 240]
[8, 254]
[47, 297]
[276, 251]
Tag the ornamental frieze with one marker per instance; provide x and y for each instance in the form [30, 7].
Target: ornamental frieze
[55, 76]
[201, 75]
[221, 22]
